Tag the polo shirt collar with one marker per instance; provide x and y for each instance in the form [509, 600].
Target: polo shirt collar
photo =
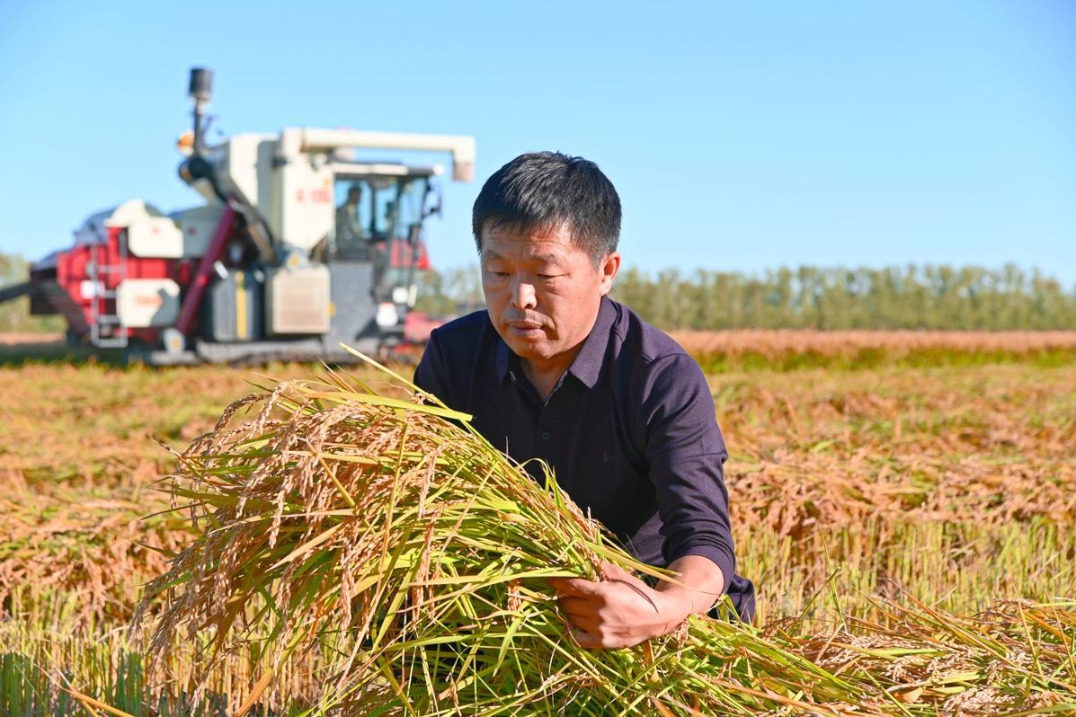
[588, 362]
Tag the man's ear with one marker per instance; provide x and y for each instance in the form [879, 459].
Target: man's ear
[609, 267]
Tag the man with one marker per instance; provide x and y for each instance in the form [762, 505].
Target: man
[351, 236]
[555, 370]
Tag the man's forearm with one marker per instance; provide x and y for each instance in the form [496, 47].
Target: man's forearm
[694, 589]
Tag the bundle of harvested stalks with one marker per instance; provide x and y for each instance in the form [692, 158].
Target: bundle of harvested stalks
[386, 542]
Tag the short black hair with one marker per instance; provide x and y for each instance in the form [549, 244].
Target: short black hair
[541, 190]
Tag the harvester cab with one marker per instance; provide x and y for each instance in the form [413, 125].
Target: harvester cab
[301, 245]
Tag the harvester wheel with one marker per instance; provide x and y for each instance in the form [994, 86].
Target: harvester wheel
[137, 353]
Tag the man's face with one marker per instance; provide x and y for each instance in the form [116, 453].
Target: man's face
[542, 291]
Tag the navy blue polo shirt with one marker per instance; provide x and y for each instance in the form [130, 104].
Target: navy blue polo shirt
[629, 431]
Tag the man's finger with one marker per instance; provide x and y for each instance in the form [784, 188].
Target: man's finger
[580, 587]
[583, 638]
[577, 608]
[583, 622]
[611, 571]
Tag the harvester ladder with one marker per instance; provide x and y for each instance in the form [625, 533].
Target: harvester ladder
[107, 328]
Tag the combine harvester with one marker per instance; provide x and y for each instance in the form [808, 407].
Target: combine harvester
[299, 247]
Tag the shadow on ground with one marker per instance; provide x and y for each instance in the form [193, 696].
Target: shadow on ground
[23, 349]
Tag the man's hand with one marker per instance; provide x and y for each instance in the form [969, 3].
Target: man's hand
[621, 611]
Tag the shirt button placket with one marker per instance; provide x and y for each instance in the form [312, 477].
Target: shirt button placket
[543, 425]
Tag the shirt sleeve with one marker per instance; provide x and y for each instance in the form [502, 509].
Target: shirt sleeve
[686, 453]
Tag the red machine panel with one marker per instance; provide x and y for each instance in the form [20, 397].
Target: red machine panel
[91, 272]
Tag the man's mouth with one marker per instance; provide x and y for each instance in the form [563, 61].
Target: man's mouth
[525, 328]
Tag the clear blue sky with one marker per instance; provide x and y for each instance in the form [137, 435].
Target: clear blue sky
[741, 135]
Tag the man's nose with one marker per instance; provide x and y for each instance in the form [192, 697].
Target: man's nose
[523, 294]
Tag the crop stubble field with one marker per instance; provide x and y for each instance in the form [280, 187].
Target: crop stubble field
[869, 474]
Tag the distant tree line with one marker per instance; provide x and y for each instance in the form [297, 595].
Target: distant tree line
[911, 297]
[448, 293]
[15, 315]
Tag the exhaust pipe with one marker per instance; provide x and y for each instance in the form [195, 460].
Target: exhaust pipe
[200, 92]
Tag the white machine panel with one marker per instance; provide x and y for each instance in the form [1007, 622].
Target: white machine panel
[241, 162]
[156, 237]
[198, 225]
[95, 229]
[304, 203]
[148, 302]
[298, 300]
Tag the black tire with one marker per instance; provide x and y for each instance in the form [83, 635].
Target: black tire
[137, 354]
